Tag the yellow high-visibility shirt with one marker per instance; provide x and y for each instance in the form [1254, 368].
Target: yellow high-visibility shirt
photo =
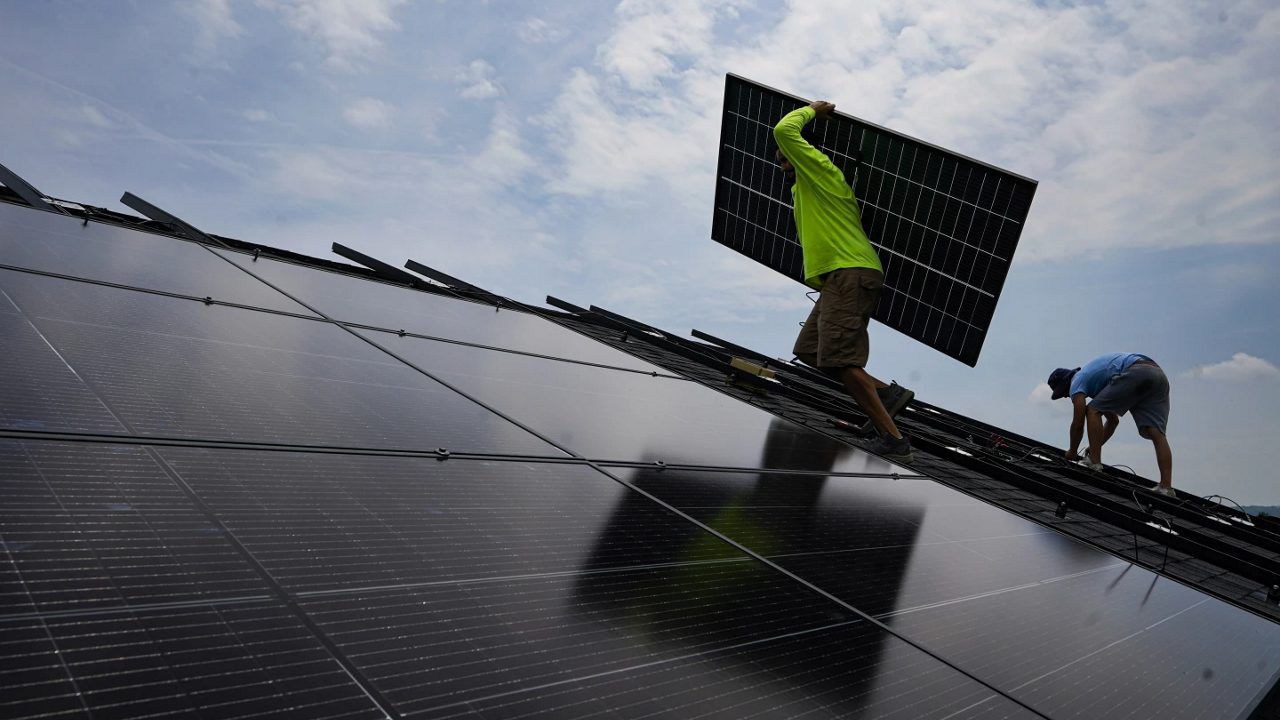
[826, 211]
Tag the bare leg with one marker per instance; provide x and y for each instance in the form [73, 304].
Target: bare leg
[1164, 454]
[856, 381]
[1110, 422]
[863, 389]
[812, 361]
[1093, 421]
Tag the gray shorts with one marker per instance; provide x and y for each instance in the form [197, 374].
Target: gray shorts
[1143, 390]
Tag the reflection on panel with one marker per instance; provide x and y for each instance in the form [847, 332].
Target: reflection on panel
[607, 414]
[355, 300]
[1118, 643]
[89, 525]
[253, 659]
[39, 391]
[712, 638]
[882, 545]
[826, 675]
[60, 244]
[1027, 609]
[180, 368]
[323, 522]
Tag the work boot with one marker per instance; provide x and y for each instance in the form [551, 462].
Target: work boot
[892, 448]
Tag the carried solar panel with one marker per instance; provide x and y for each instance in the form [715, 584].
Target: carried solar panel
[945, 226]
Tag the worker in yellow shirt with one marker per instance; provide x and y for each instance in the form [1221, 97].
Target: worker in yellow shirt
[840, 262]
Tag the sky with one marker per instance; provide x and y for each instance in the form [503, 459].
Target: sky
[569, 148]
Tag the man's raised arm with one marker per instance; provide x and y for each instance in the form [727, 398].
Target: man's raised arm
[810, 163]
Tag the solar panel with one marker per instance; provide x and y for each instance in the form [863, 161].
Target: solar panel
[356, 300]
[945, 226]
[586, 409]
[59, 244]
[173, 367]
[142, 577]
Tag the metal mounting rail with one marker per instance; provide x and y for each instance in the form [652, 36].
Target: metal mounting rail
[1190, 509]
[461, 287]
[803, 371]
[383, 270]
[27, 191]
[179, 225]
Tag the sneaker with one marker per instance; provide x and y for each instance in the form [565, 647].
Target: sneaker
[894, 398]
[894, 449]
[865, 431]
[1086, 463]
[1166, 491]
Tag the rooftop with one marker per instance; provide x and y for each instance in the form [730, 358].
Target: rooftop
[243, 482]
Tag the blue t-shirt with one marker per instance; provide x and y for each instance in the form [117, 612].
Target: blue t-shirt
[1098, 372]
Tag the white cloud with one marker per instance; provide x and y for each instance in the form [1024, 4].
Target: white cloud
[535, 30]
[94, 116]
[503, 160]
[476, 81]
[350, 31]
[368, 114]
[1142, 133]
[1241, 367]
[257, 115]
[1041, 394]
[214, 22]
[656, 39]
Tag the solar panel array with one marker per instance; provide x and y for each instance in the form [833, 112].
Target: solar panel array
[945, 226]
[221, 501]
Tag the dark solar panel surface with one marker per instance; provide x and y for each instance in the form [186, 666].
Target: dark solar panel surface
[252, 660]
[945, 226]
[356, 300]
[173, 367]
[147, 580]
[607, 414]
[89, 526]
[356, 522]
[61, 244]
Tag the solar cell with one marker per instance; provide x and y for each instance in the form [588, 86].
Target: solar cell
[945, 226]
[40, 392]
[254, 660]
[88, 526]
[172, 367]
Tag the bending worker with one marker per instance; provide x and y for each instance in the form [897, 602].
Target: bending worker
[1118, 383]
[840, 262]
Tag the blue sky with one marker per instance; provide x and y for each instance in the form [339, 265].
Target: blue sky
[568, 148]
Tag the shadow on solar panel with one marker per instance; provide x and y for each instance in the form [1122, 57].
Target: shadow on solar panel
[945, 226]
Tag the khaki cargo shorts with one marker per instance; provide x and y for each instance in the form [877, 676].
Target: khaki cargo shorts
[836, 331]
[1141, 389]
